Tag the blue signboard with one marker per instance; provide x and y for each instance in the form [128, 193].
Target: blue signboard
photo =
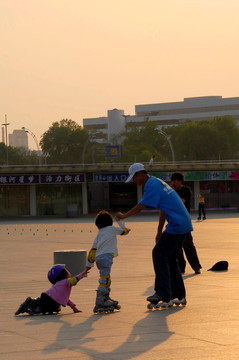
[113, 151]
[110, 177]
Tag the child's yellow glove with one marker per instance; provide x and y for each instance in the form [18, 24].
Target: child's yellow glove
[126, 231]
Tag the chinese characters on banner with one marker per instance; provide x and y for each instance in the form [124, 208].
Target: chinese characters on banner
[62, 179]
[19, 179]
[42, 179]
[201, 175]
[111, 177]
[233, 175]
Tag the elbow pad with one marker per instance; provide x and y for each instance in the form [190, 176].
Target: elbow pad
[73, 281]
[91, 256]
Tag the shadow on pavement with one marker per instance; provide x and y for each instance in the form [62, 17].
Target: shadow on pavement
[145, 335]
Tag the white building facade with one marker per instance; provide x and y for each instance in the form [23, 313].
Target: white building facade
[191, 109]
[106, 128]
[164, 114]
[18, 138]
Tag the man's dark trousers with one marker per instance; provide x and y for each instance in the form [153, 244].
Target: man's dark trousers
[168, 277]
[191, 254]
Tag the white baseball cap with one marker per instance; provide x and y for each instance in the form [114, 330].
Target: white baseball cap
[134, 169]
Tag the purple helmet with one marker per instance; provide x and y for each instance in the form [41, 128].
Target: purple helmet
[54, 272]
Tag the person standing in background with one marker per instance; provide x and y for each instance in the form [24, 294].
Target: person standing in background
[189, 248]
[151, 161]
[201, 207]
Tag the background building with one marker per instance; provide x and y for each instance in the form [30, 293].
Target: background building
[164, 114]
[191, 109]
[105, 128]
[18, 139]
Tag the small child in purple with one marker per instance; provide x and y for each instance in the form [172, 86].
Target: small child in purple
[51, 300]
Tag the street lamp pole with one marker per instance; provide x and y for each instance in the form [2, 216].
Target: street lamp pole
[167, 137]
[92, 135]
[6, 125]
[83, 152]
[35, 139]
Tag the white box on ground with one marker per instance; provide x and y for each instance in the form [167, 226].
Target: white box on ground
[75, 260]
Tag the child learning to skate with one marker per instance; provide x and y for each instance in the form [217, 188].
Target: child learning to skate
[103, 250]
[51, 300]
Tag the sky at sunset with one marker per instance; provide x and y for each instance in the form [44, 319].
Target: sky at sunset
[77, 59]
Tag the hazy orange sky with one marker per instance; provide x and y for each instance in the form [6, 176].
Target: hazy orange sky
[76, 59]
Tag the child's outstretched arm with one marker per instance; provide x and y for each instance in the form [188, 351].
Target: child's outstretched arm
[90, 259]
[74, 280]
[122, 225]
[73, 306]
[85, 272]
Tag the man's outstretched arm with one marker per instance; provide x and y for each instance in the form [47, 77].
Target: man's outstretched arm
[135, 210]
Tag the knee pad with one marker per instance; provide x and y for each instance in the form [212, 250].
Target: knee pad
[105, 281]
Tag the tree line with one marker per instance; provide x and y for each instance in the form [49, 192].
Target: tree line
[66, 142]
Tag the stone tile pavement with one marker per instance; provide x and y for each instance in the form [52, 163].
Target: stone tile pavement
[207, 328]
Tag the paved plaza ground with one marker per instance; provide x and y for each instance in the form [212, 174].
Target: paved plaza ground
[207, 328]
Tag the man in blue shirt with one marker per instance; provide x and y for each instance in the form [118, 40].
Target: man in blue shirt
[169, 285]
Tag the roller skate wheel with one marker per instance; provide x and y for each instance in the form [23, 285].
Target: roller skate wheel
[151, 306]
[158, 306]
[178, 302]
[166, 306]
[107, 310]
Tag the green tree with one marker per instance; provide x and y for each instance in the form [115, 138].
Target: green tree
[17, 156]
[64, 142]
[206, 140]
[227, 146]
[140, 144]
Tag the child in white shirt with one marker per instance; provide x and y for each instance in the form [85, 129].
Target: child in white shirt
[103, 250]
